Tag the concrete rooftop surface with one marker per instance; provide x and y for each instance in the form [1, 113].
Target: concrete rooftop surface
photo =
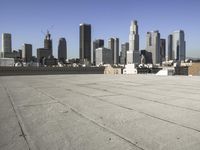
[99, 112]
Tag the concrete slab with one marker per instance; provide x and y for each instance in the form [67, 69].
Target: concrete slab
[101, 112]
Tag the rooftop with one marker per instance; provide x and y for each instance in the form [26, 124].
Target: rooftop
[100, 112]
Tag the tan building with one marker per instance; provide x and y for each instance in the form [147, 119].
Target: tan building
[194, 69]
[112, 70]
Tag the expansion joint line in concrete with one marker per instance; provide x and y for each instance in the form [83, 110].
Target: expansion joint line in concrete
[92, 121]
[146, 114]
[24, 134]
[151, 115]
[144, 99]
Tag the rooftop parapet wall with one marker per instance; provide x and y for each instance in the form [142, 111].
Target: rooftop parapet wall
[12, 71]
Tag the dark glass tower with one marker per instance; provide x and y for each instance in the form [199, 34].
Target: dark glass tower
[170, 39]
[85, 43]
[48, 42]
[62, 50]
[162, 50]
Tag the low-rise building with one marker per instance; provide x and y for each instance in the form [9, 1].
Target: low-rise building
[112, 70]
[194, 69]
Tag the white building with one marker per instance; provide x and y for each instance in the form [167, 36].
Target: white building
[7, 62]
[103, 56]
[133, 54]
[130, 69]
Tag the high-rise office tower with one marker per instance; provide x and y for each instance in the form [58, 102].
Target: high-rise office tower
[162, 50]
[103, 56]
[134, 37]
[48, 42]
[170, 39]
[153, 45]
[20, 53]
[123, 55]
[97, 44]
[133, 55]
[113, 44]
[27, 52]
[47, 51]
[85, 43]
[62, 50]
[178, 46]
[6, 44]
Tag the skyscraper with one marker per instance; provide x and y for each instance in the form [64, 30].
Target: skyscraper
[178, 46]
[170, 38]
[113, 44]
[85, 43]
[134, 37]
[133, 55]
[162, 50]
[153, 45]
[27, 52]
[103, 56]
[97, 44]
[6, 44]
[123, 53]
[62, 50]
[46, 52]
[48, 43]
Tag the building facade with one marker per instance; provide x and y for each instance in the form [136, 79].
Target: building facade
[162, 50]
[123, 53]
[6, 44]
[134, 36]
[113, 44]
[147, 57]
[27, 52]
[97, 44]
[48, 43]
[42, 54]
[103, 56]
[85, 43]
[133, 55]
[177, 46]
[62, 50]
[170, 39]
[153, 45]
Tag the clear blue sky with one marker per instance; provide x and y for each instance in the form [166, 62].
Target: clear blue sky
[25, 19]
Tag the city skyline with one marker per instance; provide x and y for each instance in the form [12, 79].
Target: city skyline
[114, 21]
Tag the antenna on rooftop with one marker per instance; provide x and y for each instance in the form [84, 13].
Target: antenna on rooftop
[43, 32]
[48, 29]
[51, 27]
